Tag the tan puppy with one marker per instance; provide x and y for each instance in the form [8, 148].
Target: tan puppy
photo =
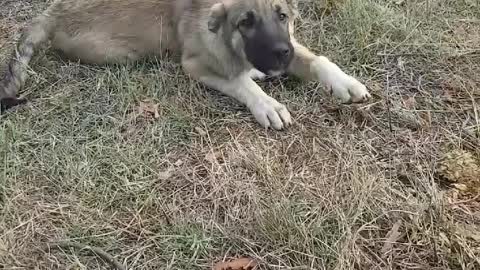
[222, 43]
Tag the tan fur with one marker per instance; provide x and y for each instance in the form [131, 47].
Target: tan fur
[113, 31]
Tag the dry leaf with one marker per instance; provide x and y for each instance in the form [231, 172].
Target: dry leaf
[148, 109]
[236, 264]
[468, 232]
[76, 266]
[165, 175]
[392, 236]
[410, 103]
[213, 157]
[444, 239]
[178, 163]
[200, 131]
[462, 170]
[401, 64]
[461, 187]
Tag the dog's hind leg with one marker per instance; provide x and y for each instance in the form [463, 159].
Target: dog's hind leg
[16, 74]
[309, 66]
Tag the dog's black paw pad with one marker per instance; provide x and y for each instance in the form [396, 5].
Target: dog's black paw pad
[8, 103]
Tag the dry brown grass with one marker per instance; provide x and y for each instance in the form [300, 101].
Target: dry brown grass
[347, 187]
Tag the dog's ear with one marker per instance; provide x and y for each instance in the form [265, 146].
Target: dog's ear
[293, 5]
[218, 15]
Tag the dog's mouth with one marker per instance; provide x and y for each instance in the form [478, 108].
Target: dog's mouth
[271, 66]
[273, 69]
[270, 59]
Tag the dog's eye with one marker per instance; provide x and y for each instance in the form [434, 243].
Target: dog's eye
[248, 21]
[283, 17]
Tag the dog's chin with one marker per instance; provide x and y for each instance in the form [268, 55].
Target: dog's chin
[271, 68]
[277, 70]
[272, 72]
[275, 73]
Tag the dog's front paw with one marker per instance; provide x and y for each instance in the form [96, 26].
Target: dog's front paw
[348, 89]
[270, 113]
[344, 87]
[255, 74]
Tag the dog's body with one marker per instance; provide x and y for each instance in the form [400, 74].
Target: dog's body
[221, 43]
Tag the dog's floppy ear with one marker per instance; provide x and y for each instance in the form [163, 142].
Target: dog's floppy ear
[218, 14]
[293, 5]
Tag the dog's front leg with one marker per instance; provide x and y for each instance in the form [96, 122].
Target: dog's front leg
[266, 110]
[309, 66]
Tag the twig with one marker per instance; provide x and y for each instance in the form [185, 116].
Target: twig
[387, 98]
[95, 250]
[407, 54]
[389, 113]
[466, 201]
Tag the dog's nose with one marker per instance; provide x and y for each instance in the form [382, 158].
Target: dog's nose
[282, 50]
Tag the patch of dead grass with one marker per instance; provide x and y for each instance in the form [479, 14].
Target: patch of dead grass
[347, 187]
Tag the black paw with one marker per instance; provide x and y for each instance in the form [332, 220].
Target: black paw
[8, 103]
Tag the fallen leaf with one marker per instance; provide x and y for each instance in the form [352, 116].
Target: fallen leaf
[468, 232]
[148, 109]
[165, 175]
[444, 239]
[462, 169]
[461, 187]
[76, 266]
[410, 103]
[236, 264]
[178, 163]
[213, 157]
[401, 64]
[200, 131]
[392, 237]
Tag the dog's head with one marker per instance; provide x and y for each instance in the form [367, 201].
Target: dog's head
[258, 30]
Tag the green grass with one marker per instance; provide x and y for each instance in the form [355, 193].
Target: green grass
[78, 163]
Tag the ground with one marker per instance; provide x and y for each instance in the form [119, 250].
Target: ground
[162, 173]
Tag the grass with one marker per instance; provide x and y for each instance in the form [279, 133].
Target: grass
[203, 181]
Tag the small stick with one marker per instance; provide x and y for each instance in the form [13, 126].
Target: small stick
[466, 201]
[95, 250]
